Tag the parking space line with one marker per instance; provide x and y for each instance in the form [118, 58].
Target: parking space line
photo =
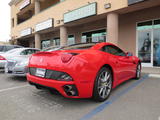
[13, 88]
[104, 105]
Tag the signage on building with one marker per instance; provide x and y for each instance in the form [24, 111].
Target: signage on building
[44, 25]
[130, 2]
[26, 32]
[83, 12]
[24, 4]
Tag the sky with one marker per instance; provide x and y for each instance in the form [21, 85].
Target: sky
[4, 20]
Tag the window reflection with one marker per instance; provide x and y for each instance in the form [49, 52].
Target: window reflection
[156, 48]
[144, 43]
[149, 42]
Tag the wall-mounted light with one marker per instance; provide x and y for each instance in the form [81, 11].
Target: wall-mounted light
[58, 21]
[108, 5]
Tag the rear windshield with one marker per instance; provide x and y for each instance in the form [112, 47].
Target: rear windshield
[1, 48]
[12, 51]
[78, 46]
[7, 48]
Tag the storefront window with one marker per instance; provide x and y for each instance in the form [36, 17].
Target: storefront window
[99, 37]
[45, 43]
[144, 25]
[56, 42]
[94, 36]
[149, 43]
[71, 40]
[156, 23]
[156, 48]
[144, 46]
[84, 39]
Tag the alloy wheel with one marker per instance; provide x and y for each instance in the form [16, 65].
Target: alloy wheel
[138, 71]
[104, 84]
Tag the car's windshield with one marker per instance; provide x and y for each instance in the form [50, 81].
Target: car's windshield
[1, 48]
[78, 46]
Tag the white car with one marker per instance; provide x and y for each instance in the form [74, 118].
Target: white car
[14, 54]
[5, 48]
[18, 60]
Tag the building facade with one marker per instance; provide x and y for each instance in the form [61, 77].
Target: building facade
[134, 25]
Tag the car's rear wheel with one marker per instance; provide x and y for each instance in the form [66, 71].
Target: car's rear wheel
[103, 85]
[138, 71]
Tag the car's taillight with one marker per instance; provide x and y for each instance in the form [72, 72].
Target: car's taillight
[66, 57]
[2, 58]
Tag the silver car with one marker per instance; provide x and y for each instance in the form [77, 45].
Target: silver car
[17, 61]
[5, 48]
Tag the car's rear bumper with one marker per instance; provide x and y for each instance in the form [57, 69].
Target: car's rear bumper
[59, 86]
[16, 71]
[2, 63]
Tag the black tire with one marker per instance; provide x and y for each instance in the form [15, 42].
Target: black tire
[138, 71]
[38, 87]
[103, 86]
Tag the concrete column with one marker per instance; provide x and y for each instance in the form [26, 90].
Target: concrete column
[112, 28]
[37, 41]
[15, 42]
[77, 37]
[63, 36]
[37, 7]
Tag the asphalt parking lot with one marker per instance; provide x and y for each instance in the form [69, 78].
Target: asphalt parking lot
[133, 100]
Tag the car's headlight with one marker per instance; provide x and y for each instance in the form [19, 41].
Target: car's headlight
[23, 63]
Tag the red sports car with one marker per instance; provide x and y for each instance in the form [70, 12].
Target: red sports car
[83, 70]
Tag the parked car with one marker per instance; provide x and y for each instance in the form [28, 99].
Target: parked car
[3, 51]
[83, 70]
[5, 48]
[52, 48]
[17, 61]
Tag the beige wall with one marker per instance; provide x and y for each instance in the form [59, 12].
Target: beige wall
[77, 30]
[58, 10]
[127, 30]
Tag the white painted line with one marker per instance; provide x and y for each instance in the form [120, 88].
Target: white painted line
[13, 88]
[154, 75]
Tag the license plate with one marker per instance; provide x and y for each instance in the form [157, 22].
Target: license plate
[40, 72]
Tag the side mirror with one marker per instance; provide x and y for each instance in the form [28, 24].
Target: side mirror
[128, 54]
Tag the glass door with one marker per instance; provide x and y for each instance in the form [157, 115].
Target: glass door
[145, 47]
[156, 48]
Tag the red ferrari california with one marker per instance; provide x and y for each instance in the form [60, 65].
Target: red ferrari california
[86, 70]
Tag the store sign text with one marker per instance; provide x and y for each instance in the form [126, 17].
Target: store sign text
[80, 13]
[26, 32]
[44, 25]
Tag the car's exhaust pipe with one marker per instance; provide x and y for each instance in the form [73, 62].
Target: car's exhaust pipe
[68, 88]
[71, 93]
[71, 90]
